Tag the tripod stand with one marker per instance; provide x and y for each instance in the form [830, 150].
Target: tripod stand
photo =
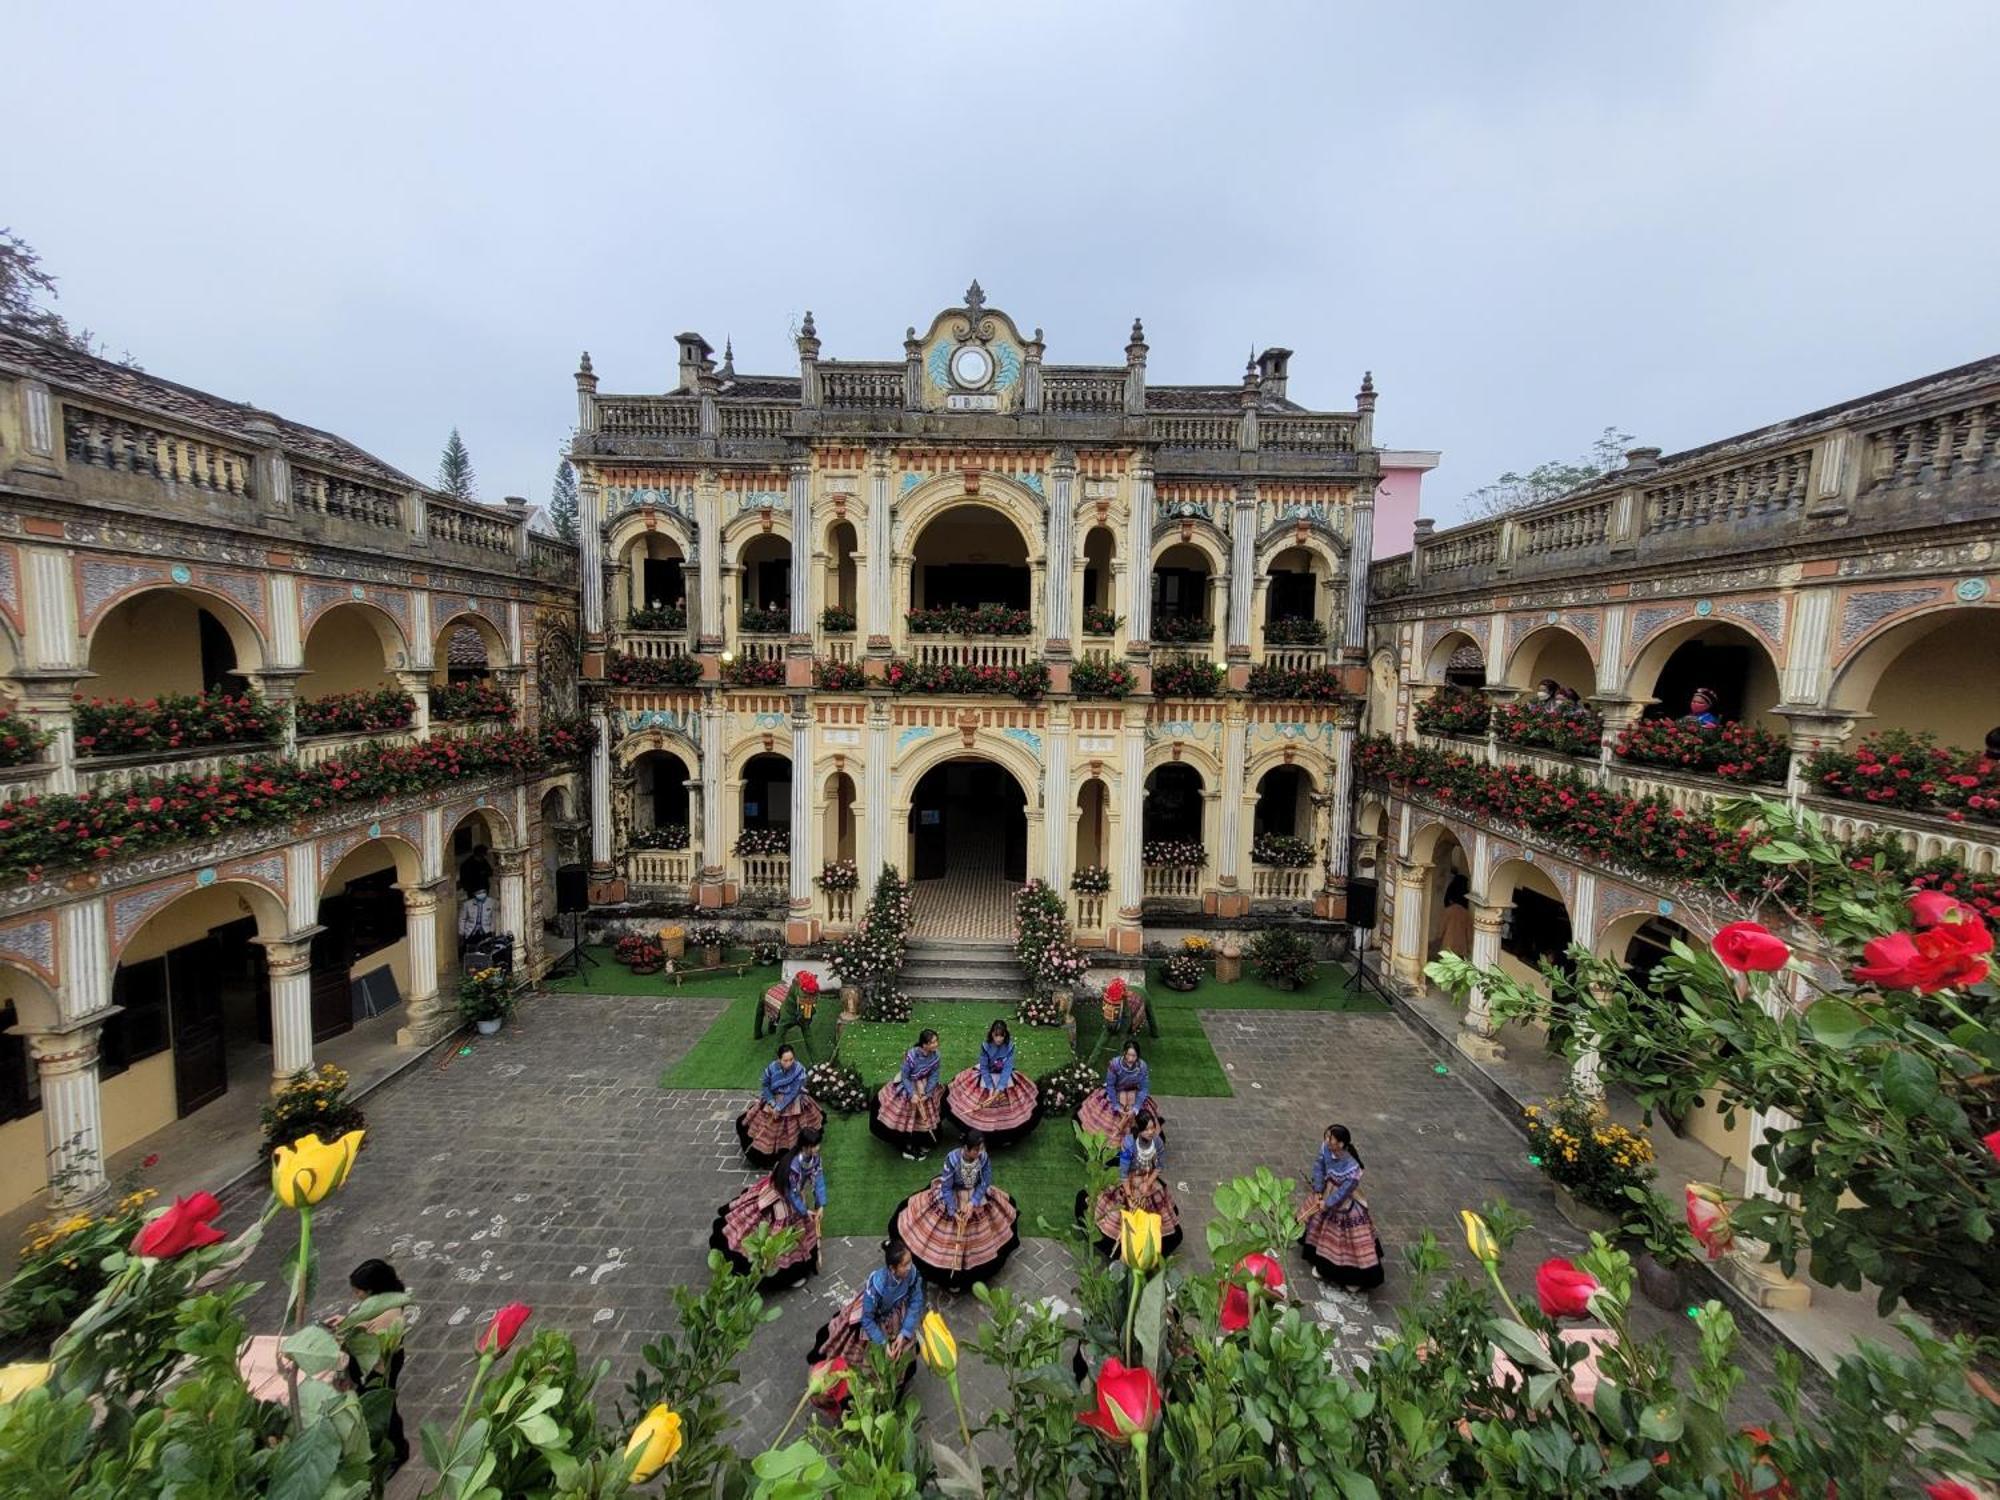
[575, 962]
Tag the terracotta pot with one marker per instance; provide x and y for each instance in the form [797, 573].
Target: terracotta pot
[712, 957]
[1582, 1215]
[1229, 968]
[674, 946]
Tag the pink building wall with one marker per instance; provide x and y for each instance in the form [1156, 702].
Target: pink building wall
[1399, 498]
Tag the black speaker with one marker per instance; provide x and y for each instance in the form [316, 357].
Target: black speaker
[572, 889]
[1361, 903]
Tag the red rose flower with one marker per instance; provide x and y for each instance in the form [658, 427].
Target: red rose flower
[182, 1228]
[1708, 1220]
[1992, 1140]
[1115, 991]
[1939, 958]
[1750, 948]
[500, 1332]
[1236, 1296]
[1930, 908]
[1563, 1290]
[1128, 1403]
[1950, 1489]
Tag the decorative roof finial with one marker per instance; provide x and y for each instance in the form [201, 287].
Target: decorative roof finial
[728, 359]
[807, 330]
[975, 299]
[1368, 381]
[1138, 332]
[583, 365]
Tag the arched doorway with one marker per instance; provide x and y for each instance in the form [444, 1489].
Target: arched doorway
[1726, 661]
[968, 848]
[171, 641]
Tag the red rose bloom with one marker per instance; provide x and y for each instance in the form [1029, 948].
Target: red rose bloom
[1950, 1489]
[1751, 948]
[500, 1332]
[1939, 958]
[1236, 1296]
[1563, 1290]
[1992, 1140]
[1128, 1402]
[1708, 1221]
[182, 1228]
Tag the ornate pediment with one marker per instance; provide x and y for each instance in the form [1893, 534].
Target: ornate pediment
[973, 358]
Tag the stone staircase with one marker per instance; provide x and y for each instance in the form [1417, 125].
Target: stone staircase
[961, 969]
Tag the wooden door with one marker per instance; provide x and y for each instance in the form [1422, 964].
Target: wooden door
[332, 994]
[194, 995]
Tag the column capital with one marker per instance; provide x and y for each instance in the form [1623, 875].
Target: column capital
[1487, 917]
[422, 896]
[57, 1054]
[290, 954]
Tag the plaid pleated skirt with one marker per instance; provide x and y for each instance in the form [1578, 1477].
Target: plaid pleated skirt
[842, 1337]
[957, 1252]
[1342, 1245]
[1114, 1200]
[768, 1134]
[906, 1123]
[757, 1205]
[1003, 1117]
[1095, 1113]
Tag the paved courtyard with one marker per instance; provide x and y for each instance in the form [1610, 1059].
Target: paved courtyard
[549, 1167]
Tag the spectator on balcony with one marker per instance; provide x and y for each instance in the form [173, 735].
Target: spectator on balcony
[1701, 709]
[1549, 695]
[1572, 700]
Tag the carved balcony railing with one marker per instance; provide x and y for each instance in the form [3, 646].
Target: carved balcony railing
[1766, 485]
[17, 782]
[748, 423]
[1935, 449]
[1928, 837]
[467, 524]
[837, 906]
[338, 498]
[1279, 883]
[1318, 435]
[660, 869]
[1577, 528]
[1080, 391]
[1087, 910]
[655, 645]
[1388, 579]
[839, 646]
[970, 651]
[1174, 882]
[127, 445]
[648, 417]
[860, 388]
[1196, 433]
[103, 775]
[752, 646]
[1295, 658]
[769, 874]
[1457, 551]
[320, 748]
[552, 558]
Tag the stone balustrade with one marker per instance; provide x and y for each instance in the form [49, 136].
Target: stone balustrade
[134, 445]
[861, 387]
[655, 645]
[661, 869]
[1174, 882]
[970, 651]
[1084, 390]
[767, 874]
[1087, 911]
[321, 748]
[338, 498]
[112, 774]
[1281, 883]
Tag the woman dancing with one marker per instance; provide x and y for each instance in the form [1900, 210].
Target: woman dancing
[1339, 1241]
[791, 1195]
[1141, 1160]
[886, 1314]
[992, 1098]
[961, 1228]
[770, 1126]
[1126, 1095]
[908, 1107]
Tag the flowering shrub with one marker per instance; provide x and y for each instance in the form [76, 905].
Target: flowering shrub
[1039, 1010]
[566, 739]
[1042, 944]
[476, 698]
[1570, 729]
[775, 619]
[1091, 880]
[61, 1270]
[1453, 710]
[957, 619]
[1181, 972]
[763, 841]
[1172, 854]
[488, 994]
[652, 671]
[1186, 677]
[1981, 893]
[1097, 620]
[666, 836]
[1098, 676]
[313, 1101]
[39, 835]
[633, 947]
[175, 721]
[1027, 682]
[1909, 771]
[709, 937]
[1064, 1088]
[831, 676]
[767, 953]
[364, 711]
[1734, 752]
[658, 617]
[1282, 957]
[20, 740]
[835, 620]
[1282, 850]
[1181, 628]
[1196, 944]
[839, 875]
[890, 1005]
[753, 671]
[1297, 632]
[1299, 684]
[1581, 1148]
[837, 1088]
[871, 956]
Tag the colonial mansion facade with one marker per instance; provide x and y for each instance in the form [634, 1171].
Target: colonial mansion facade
[979, 617]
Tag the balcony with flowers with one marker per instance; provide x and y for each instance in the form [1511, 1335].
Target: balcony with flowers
[763, 631]
[659, 857]
[764, 860]
[837, 638]
[982, 635]
[127, 741]
[1295, 643]
[332, 726]
[663, 673]
[1281, 866]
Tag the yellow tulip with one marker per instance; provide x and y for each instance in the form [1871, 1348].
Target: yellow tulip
[654, 1443]
[308, 1169]
[940, 1349]
[18, 1380]
[1478, 1238]
[1139, 1239]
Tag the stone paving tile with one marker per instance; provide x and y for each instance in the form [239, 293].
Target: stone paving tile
[549, 1167]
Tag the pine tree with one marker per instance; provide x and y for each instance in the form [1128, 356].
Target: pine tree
[562, 502]
[455, 476]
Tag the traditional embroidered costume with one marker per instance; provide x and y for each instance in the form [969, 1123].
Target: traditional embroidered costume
[889, 1307]
[770, 1127]
[1126, 1091]
[993, 1099]
[909, 1106]
[1340, 1242]
[1141, 1185]
[961, 1228]
[766, 1202]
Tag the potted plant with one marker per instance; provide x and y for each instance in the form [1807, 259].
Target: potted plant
[1667, 1250]
[673, 941]
[486, 999]
[1181, 972]
[312, 1100]
[1589, 1158]
[1283, 958]
[708, 939]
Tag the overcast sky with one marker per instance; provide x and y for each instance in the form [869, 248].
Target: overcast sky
[1529, 220]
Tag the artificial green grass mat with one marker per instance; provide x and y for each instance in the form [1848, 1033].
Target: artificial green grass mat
[867, 1179]
[612, 978]
[1179, 1060]
[877, 1048]
[1334, 988]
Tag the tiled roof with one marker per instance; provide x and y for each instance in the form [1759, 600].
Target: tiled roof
[70, 369]
[766, 387]
[1207, 398]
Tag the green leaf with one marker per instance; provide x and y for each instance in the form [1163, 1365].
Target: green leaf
[955, 1476]
[1908, 1082]
[1626, 1476]
[1661, 1422]
[306, 1464]
[1519, 1344]
[1541, 1388]
[1609, 1404]
[313, 1349]
[1149, 1326]
[1356, 1486]
[1835, 1023]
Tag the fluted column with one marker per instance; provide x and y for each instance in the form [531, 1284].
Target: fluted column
[708, 559]
[1139, 557]
[1407, 945]
[1360, 547]
[1340, 811]
[289, 962]
[65, 1063]
[1058, 812]
[1242, 566]
[1475, 1037]
[52, 669]
[874, 599]
[513, 868]
[600, 794]
[805, 827]
[418, 686]
[1127, 881]
[429, 1018]
[802, 548]
[875, 830]
[713, 849]
[590, 553]
[1229, 858]
[1058, 565]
